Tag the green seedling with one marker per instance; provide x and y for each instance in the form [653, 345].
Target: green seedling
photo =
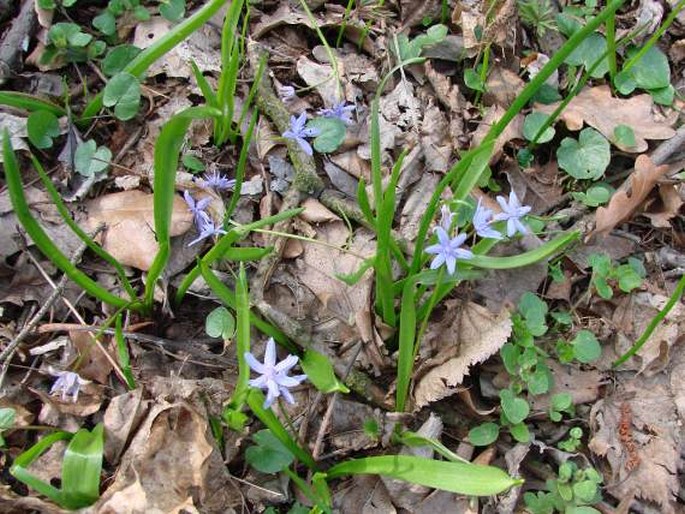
[220, 323]
[539, 15]
[649, 71]
[90, 159]
[595, 195]
[122, 92]
[584, 348]
[411, 48]
[573, 442]
[7, 417]
[605, 275]
[559, 404]
[42, 127]
[575, 490]
[81, 467]
[67, 43]
[106, 22]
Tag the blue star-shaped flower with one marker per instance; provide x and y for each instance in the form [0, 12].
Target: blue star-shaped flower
[447, 250]
[197, 209]
[68, 383]
[274, 377]
[512, 212]
[482, 219]
[216, 180]
[341, 110]
[207, 229]
[298, 132]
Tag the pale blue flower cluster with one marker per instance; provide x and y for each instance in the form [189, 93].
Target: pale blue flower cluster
[216, 181]
[274, 377]
[448, 250]
[203, 221]
[67, 384]
[341, 110]
[298, 132]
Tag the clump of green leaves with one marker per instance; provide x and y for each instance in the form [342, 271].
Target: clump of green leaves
[584, 347]
[595, 195]
[573, 441]
[67, 43]
[647, 70]
[605, 275]
[539, 15]
[575, 490]
[411, 48]
[123, 11]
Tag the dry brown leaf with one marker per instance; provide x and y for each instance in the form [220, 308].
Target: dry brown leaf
[629, 196]
[502, 87]
[363, 494]
[477, 334]
[596, 107]
[638, 432]
[435, 139]
[129, 223]
[318, 76]
[662, 212]
[631, 317]
[121, 418]
[582, 385]
[316, 212]
[514, 130]
[171, 463]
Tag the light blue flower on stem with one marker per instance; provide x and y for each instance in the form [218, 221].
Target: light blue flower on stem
[207, 229]
[482, 219]
[446, 217]
[197, 209]
[341, 111]
[274, 377]
[447, 250]
[68, 383]
[298, 132]
[512, 212]
[217, 181]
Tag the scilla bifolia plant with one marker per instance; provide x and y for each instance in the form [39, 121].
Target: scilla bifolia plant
[421, 289]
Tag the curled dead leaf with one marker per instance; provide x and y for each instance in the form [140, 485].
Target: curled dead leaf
[629, 196]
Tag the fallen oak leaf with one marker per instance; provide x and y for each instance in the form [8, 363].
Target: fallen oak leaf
[129, 222]
[626, 200]
[596, 107]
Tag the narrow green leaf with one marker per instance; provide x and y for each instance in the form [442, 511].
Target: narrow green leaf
[124, 358]
[82, 466]
[484, 434]
[456, 477]
[407, 340]
[319, 371]
[243, 253]
[30, 103]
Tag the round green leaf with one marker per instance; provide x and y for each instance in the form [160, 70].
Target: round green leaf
[106, 23]
[520, 432]
[532, 125]
[588, 52]
[89, 159]
[586, 158]
[624, 83]
[220, 323]
[539, 381]
[585, 491]
[473, 80]
[484, 434]
[561, 401]
[172, 10]
[651, 71]
[586, 348]
[331, 136]
[515, 409]
[270, 455]
[123, 93]
[596, 194]
[624, 136]
[664, 95]
[41, 127]
[117, 58]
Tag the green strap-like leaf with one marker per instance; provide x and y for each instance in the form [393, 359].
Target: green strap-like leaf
[456, 477]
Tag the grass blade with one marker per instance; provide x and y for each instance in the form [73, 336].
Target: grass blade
[81, 468]
[407, 341]
[30, 103]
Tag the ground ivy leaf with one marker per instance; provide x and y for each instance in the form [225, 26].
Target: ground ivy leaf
[123, 93]
[117, 58]
[624, 136]
[586, 158]
[586, 348]
[515, 409]
[331, 136]
[42, 127]
[651, 71]
[484, 434]
[520, 432]
[269, 455]
[588, 52]
[220, 323]
[89, 159]
[533, 123]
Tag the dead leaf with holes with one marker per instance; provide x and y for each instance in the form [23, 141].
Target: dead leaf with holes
[467, 337]
[596, 107]
[129, 225]
[637, 431]
[628, 198]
